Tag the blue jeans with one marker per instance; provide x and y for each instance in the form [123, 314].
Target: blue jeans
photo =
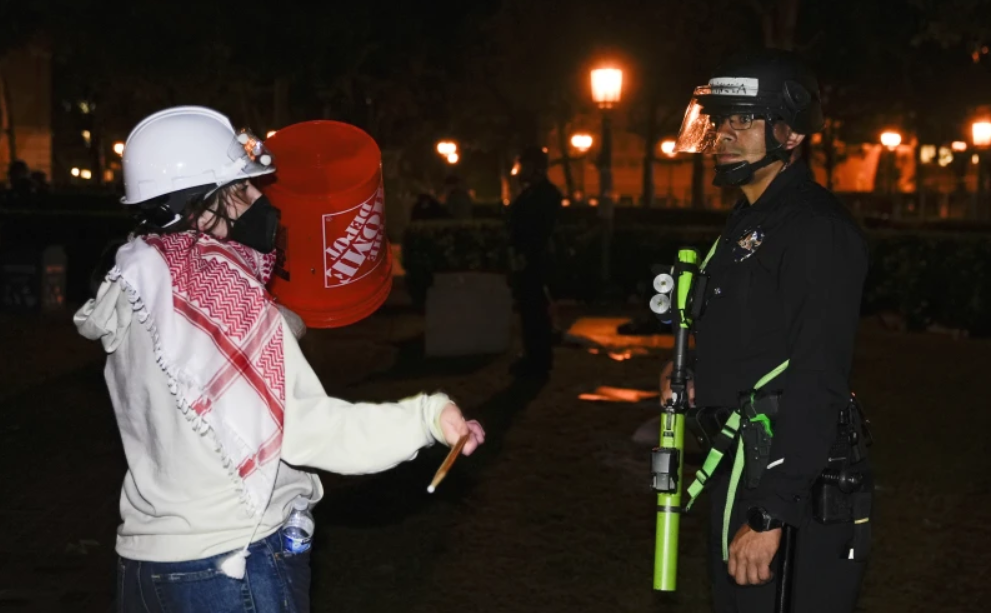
[275, 581]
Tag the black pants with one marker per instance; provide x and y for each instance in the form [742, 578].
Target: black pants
[825, 581]
[535, 319]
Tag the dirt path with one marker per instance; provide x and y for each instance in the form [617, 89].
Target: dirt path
[553, 515]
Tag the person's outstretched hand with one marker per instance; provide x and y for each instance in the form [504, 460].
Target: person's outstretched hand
[454, 426]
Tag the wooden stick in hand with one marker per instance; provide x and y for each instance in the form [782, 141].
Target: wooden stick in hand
[448, 462]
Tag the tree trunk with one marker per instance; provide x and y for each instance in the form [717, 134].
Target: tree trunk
[787, 20]
[829, 152]
[527, 127]
[920, 182]
[7, 116]
[648, 156]
[245, 106]
[698, 181]
[562, 142]
[280, 104]
[767, 26]
[96, 143]
[778, 22]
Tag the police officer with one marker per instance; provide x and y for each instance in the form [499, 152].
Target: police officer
[780, 314]
[532, 217]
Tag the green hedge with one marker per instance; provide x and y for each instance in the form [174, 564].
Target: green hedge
[942, 279]
[480, 246]
[927, 278]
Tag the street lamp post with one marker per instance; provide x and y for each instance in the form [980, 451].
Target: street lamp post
[607, 88]
[981, 134]
[890, 140]
[667, 148]
[581, 143]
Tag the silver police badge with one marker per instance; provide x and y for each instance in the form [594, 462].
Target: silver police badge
[748, 244]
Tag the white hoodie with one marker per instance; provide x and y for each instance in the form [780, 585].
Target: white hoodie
[178, 502]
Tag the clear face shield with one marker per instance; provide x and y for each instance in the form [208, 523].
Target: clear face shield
[700, 127]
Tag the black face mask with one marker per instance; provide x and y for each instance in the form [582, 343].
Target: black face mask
[256, 228]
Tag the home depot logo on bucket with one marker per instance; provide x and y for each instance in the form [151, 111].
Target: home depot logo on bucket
[333, 258]
[352, 241]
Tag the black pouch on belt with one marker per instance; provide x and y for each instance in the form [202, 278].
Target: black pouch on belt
[846, 475]
[842, 496]
[758, 412]
[844, 491]
[706, 425]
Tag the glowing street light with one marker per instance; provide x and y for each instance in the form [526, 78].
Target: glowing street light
[119, 148]
[607, 86]
[891, 140]
[667, 148]
[453, 157]
[74, 172]
[446, 147]
[981, 133]
[581, 142]
[86, 174]
[607, 90]
[958, 146]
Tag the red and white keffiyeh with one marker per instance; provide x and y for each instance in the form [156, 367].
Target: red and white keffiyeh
[218, 336]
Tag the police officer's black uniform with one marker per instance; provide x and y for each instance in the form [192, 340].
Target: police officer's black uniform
[532, 217]
[794, 296]
[785, 283]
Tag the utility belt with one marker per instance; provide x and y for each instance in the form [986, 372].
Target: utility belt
[840, 494]
[748, 428]
[758, 420]
[758, 416]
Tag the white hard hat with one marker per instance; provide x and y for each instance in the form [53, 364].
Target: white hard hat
[186, 147]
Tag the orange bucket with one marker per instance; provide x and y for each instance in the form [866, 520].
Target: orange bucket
[334, 265]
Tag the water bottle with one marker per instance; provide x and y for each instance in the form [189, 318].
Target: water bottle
[297, 532]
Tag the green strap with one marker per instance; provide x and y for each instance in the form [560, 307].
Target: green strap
[764, 420]
[730, 429]
[712, 252]
[734, 482]
[712, 461]
[771, 375]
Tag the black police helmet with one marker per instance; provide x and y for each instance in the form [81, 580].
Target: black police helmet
[785, 87]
